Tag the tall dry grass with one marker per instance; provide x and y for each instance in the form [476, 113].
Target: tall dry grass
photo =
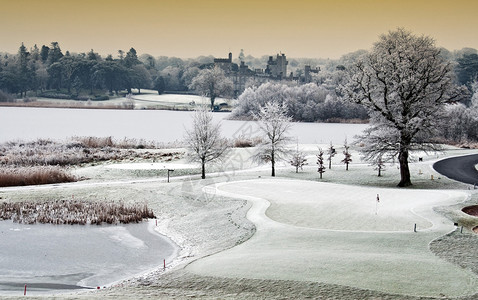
[20, 176]
[73, 212]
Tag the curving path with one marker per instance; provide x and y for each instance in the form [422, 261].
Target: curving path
[330, 233]
[460, 168]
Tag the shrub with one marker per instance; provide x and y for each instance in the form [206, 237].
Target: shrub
[55, 95]
[101, 98]
[243, 142]
[5, 97]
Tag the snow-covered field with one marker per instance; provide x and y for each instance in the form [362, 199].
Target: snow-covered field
[151, 99]
[244, 235]
[152, 166]
[320, 232]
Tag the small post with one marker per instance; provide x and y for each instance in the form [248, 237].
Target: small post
[164, 264]
[169, 170]
[376, 204]
[415, 228]
[431, 177]
[461, 230]
[156, 222]
[25, 291]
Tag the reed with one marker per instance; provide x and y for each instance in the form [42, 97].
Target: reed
[74, 212]
[21, 176]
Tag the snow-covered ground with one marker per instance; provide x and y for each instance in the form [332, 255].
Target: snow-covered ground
[150, 99]
[152, 166]
[322, 232]
[240, 230]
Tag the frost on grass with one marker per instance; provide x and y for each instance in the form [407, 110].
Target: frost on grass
[73, 212]
[45, 161]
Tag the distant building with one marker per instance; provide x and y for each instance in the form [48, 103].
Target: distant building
[308, 71]
[276, 70]
[224, 63]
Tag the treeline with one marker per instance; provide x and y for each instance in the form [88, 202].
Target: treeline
[310, 102]
[48, 72]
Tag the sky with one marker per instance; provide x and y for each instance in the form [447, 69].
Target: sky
[190, 28]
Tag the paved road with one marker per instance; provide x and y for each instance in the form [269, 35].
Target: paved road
[461, 168]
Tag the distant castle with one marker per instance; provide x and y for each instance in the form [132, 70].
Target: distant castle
[276, 70]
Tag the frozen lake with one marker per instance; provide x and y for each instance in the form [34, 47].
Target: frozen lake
[162, 126]
[62, 257]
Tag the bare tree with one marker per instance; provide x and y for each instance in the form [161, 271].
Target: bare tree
[274, 124]
[330, 153]
[204, 140]
[212, 83]
[379, 165]
[404, 82]
[298, 159]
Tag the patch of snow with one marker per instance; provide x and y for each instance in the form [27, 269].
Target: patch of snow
[152, 166]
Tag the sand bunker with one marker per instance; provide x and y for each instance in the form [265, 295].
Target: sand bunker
[471, 210]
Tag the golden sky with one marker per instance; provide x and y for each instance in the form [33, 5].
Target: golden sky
[189, 28]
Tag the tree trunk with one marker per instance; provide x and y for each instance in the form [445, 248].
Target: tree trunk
[273, 161]
[404, 169]
[213, 98]
[203, 170]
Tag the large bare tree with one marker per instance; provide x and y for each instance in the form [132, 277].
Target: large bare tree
[404, 82]
[204, 140]
[274, 124]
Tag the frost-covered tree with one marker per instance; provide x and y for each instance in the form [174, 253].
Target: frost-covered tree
[274, 124]
[460, 124]
[379, 165]
[204, 140]
[298, 159]
[474, 97]
[320, 162]
[404, 82]
[308, 102]
[212, 83]
[330, 153]
[347, 156]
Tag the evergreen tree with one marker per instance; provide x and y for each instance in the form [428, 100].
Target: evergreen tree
[320, 162]
[347, 156]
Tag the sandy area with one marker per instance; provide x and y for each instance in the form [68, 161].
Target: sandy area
[244, 237]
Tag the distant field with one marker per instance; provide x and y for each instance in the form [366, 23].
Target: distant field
[148, 99]
[151, 100]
